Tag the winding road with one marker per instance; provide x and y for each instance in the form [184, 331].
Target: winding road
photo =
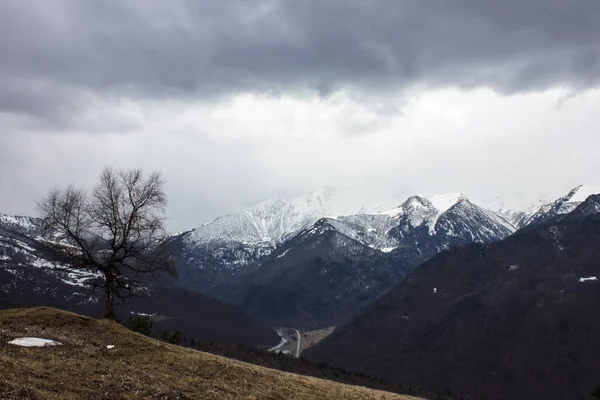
[298, 343]
[286, 345]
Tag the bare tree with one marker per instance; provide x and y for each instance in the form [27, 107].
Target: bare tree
[117, 230]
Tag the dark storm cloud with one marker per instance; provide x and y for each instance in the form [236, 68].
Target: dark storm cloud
[56, 54]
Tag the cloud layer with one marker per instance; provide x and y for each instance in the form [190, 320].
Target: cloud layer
[240, 100]
[60, 55]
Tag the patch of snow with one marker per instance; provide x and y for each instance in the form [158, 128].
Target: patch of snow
[434, 290]
[34, 342]
[513, 267]
[80, 278]
[591, 278]
[283, 254]
[110, 346]
[142, 314]
[41, 263]
[388, 249]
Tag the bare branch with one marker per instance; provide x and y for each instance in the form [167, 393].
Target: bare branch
[118, 230]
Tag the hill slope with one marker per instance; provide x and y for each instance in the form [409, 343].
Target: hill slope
[513, 319]
[137, 367]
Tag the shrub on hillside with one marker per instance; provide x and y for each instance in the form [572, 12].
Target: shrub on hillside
[139, 324]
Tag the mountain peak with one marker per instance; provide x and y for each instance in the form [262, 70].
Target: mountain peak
[416, 202]
[436, 203]
[582, 192]
[275, 219]
[565, 204]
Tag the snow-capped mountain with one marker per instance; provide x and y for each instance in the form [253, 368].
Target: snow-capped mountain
[327, 239]
[216, 251]
[563, 205]
[278, 219]
[485, 312]
[273, 220]
[516, 207]
[319, 278]
[451, 215]
[329, 271]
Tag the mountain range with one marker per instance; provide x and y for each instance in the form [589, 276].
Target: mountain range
[427, 292]
[511, 319]
[315, 261]
[306, 262]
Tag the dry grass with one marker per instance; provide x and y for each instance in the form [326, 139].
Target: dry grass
[137, 368]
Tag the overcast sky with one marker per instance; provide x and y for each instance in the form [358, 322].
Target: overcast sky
[238, 101]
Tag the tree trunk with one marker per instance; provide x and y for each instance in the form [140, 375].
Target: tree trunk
[109, 296]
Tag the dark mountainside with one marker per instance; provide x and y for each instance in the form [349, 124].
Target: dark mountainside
[512, 319]
[28, 278]
[203, 266]
[318, 279]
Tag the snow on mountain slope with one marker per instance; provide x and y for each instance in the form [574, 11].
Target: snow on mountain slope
[327, 272]
[19, 223]
[421, 225]
[517, 207]
[216, 251]
[274, 220]
[21, 248]
[563, 205]
[441, 202]
[454, 220]
[374, 229]
[470, 221]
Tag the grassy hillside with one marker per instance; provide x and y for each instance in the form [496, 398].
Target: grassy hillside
[137, 367]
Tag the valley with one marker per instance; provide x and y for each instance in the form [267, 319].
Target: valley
[295, 342]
